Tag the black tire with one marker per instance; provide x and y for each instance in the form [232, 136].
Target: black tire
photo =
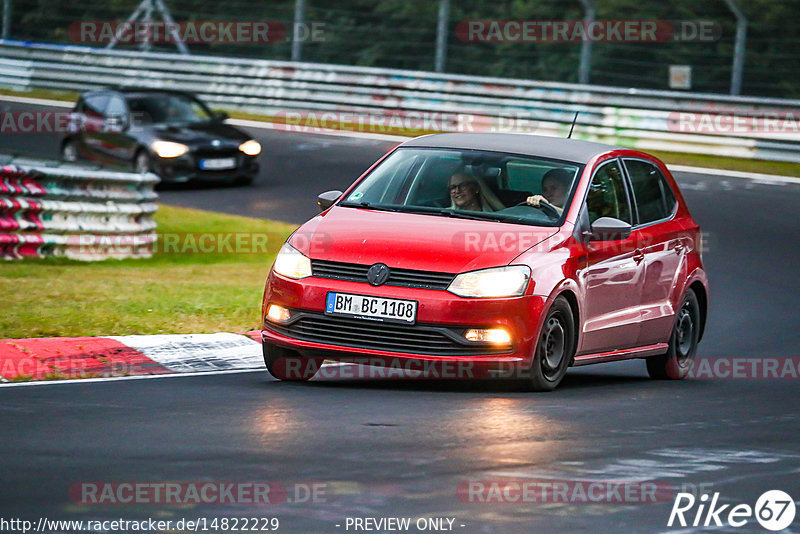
[676, 363]
[69, 151]
[287, 365]
[142, 163]
[555, 348]
[244, 180]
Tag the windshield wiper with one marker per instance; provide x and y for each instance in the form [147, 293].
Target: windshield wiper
[447, 212]
[367, 205]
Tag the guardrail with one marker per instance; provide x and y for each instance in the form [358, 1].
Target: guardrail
[60, 210]
[650, 120]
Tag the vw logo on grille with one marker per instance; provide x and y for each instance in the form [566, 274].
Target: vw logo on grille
[378, 274]
[216, 142]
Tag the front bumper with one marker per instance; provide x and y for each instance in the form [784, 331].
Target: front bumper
[442, 318]
[186, 168]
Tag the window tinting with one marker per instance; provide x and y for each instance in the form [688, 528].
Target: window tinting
[607, 196]
[116, 107]
[654, 198]
[95, 104]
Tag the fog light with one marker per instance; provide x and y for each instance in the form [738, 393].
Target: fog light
[278, 314]
[488, 335]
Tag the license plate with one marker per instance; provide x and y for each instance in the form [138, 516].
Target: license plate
[218, 164]
[371, 308]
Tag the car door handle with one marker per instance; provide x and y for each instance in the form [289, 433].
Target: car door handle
[638, 256]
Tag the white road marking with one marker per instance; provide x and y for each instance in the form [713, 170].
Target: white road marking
[132, 377]
[758, 177]
[187, 353]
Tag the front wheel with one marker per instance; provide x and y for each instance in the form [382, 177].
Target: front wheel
[677, 362]
[555, 348]
[287, 365]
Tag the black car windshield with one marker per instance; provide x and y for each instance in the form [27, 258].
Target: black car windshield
[470, 184]
[164, 108]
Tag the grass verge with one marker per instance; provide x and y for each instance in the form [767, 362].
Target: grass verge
[170, 293]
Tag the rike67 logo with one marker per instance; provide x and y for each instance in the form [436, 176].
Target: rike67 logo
[774, 510]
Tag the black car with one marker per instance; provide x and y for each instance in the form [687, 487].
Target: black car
[170, 133]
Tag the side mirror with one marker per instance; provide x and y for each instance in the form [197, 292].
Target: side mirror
[610, 229]
[116, 123]
[325, 200]
[221, 116]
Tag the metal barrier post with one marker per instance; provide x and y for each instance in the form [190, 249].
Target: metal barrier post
[739, 48]
[299, 19]
[6, 19]
[586, 46]
[441, 35]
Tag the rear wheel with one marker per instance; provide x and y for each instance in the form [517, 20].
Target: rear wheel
[677, 362]
[288, 365]
[555, 348]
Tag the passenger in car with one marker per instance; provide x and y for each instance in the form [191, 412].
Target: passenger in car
[468, 192]
[555, 185]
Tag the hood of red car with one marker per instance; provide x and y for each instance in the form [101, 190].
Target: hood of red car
[414, 241]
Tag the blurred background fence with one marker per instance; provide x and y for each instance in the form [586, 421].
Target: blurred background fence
[403, 34]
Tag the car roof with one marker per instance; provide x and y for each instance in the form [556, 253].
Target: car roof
[572, 150]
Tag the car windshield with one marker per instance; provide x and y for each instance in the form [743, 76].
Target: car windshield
[161, 108]
[469, 184]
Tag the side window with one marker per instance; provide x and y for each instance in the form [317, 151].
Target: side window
[94, 105]
[653, 197]
[607, 196]
[116, 107]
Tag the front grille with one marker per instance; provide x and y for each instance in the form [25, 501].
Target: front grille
[398, 277]
[214, 153]
[364, 334]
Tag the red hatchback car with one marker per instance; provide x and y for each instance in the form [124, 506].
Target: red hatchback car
[493, 252]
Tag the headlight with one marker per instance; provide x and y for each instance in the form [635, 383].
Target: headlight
[168, 149]
[291, 263]
[251, 148]
[499, 282]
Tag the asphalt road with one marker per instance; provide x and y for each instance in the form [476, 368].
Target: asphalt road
[402, 448]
